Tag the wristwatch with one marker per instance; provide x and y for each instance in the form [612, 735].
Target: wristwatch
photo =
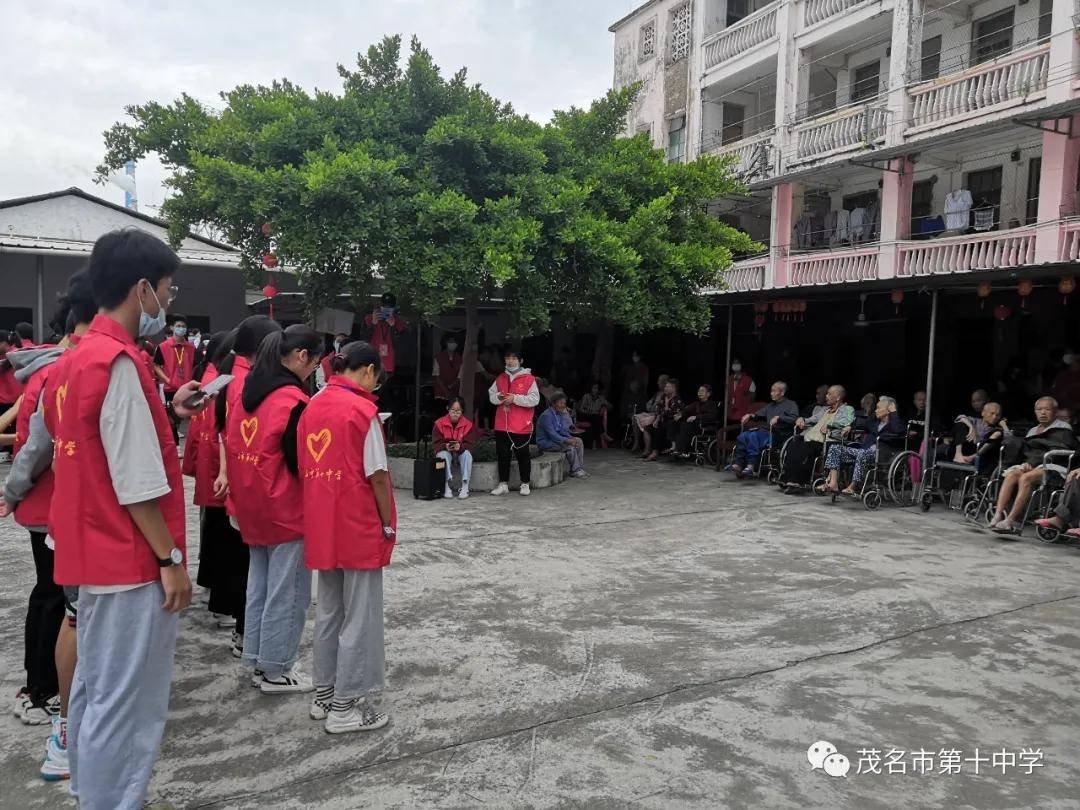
[388, 532]
[176, 557]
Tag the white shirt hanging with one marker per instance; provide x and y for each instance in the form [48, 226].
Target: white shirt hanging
[957, 208]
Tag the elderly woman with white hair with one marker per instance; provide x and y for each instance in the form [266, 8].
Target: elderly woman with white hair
[883, 427]
[1020, 480]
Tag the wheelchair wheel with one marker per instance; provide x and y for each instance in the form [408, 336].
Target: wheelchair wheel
[902, 488]
[926, 501]
[774, 477]
[872, 500]
[971, 511]
[1048, 534]
[628, 439]
[815, 485]
[712, 452]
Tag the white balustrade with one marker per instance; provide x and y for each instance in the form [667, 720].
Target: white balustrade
[1007, 78]
[961, 254]
[1069, 250]
[818, 10]
[752, 158]
[839, 131]
[741, 37]
[834, 267]
[747, 274]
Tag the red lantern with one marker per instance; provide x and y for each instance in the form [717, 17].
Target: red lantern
[269, 291]
[983, 291]
[761, 307]
[800, 307]
[1001, 312]
[1023, 289]
[267, 229]
[897, 298]
[759, 321]
[1065, 287]
[269, 260]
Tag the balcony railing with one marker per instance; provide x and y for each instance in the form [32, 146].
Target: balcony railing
[834, 267]
[961, 254]
[1069, 250]
[753, 156]
[841, 131]
[747, 274]
[741, 37]
[962, 95]
[818, 10]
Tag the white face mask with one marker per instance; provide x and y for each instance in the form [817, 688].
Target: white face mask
[736, 367]
[451, 346]
[150, 325]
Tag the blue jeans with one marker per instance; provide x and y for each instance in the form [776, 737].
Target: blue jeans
[120, 695]
[278, 594]
[464, 458]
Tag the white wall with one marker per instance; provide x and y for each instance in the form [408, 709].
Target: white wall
[956, 34]
[77, 219]
[648, 111]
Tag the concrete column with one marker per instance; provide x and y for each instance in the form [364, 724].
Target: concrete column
[1064, 52]
[906, 48]
[895, 213]
[789, 83]
[1057, 187]
[39, 309]
[780, 234]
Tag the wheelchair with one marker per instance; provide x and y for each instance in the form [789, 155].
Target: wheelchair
[705, 447]
[1044, 499]
[770, 462]
[888, 479]
[975, 488]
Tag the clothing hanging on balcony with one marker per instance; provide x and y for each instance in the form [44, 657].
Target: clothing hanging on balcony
[808, 231]
[858, 223]
[984, 218]
[957, 209]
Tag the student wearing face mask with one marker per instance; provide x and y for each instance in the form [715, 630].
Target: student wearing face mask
[325, 370]
[267, 498]
[174, 364]
[343, 461]
[515, 396]
[447, 371]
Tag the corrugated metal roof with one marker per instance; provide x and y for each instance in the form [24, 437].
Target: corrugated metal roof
[71, 247]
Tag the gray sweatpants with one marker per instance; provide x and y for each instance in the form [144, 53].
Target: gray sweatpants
[349, 632]
[120, 695]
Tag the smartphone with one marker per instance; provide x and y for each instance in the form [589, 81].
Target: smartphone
[213, 387]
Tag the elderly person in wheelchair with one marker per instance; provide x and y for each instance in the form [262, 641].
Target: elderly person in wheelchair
[779, 418]
[1020, 480]
[883, 427]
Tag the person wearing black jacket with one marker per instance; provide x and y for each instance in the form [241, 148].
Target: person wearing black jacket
[883, 428]
[1021, 479]
[694, 418]
[779, 417]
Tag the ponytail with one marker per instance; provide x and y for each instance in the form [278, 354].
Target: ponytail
[357, 354]
[278, 345]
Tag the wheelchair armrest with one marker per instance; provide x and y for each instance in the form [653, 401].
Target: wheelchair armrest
[1052, 455]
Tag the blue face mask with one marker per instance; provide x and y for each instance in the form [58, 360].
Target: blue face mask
[150, 325]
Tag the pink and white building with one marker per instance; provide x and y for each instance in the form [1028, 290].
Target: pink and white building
[879, 140]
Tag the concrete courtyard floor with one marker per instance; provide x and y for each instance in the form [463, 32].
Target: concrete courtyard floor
[655, 636]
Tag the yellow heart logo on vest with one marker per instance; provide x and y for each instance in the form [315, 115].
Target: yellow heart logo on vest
[248, 429]
[318, 443]
[61, 395]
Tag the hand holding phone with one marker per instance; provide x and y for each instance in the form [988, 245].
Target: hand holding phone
[215, 386]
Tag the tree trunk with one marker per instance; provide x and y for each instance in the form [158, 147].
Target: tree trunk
[468, 357]
[602, 357]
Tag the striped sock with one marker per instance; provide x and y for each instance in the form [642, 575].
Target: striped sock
[342, 704]
[324, 694]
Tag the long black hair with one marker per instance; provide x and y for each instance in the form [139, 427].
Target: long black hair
[357, 354]
[278, 345]
[210, 350]
[243, 340]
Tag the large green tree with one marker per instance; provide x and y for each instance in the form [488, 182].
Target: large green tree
[430, 187]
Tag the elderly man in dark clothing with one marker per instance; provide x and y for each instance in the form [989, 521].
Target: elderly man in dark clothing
[778, 418]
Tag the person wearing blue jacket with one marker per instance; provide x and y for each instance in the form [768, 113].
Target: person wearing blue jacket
[553, 434]
[884, 427]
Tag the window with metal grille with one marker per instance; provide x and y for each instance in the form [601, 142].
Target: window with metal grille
[985, 188]
[1046, 11]
[991, 36]
[930, 64]
[680, 33]
[736, 10]
[864, 81]
[922, 203]
[734, 116]
[676, 147]
[647, 48]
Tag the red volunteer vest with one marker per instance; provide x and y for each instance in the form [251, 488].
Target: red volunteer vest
[514, 418]
[740, 398]
[447, 383]
[451, 432]
[241, 367]
[326, 370]
[202, 454]
[33, 510]
[179, 357]
[97, 542]
[342, 528]
[267, 499]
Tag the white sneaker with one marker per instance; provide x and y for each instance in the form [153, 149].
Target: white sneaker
[55, 767]
[289, 681]
[22, 698]
[358, 717]
[320, 708]
[501, 489]
[525, 489]
[448, 493]
[40, 715]
[463, 493]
